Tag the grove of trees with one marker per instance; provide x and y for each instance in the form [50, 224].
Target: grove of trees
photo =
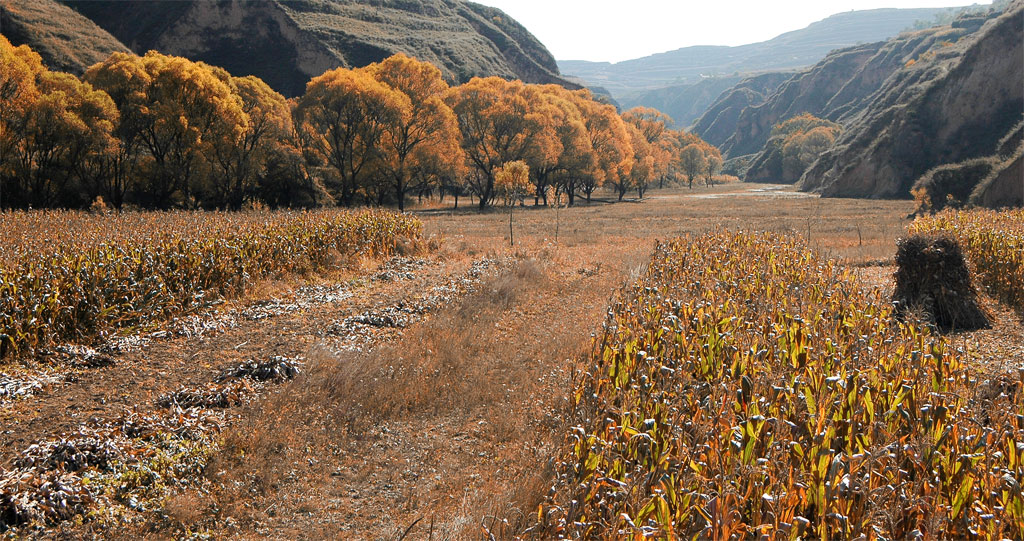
[795, 144]
[160, 131]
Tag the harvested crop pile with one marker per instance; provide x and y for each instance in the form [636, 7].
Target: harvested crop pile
[213, 395]
[932, 276]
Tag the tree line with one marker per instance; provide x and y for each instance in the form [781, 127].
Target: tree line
[159, 131]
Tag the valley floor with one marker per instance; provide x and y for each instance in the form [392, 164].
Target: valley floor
[433, 387]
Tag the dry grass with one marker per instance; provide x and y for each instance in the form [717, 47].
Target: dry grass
[471, 398]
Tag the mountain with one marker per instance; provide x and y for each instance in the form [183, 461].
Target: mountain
[287, 42]
[957, 99]
[794, 49]
[684, 103]
[66, 40]
[718, 123]
[842, 85]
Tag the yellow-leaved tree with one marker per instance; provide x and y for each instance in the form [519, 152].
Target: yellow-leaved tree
[19, 67]
[344, 116]
[610, 141]
[575, 153]
[499, 124]
[512, 182]
[423, 145]
[240, 162]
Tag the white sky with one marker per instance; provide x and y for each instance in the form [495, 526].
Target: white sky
[615, 30]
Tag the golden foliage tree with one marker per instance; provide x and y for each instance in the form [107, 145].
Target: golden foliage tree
[345, 115]
[512, 182]
[652, 123]
[499, 124]
[412, 142]
[692, 161]
[176, 111]
[19, 67]
[60, 130]
[612, 147]
[240, 161]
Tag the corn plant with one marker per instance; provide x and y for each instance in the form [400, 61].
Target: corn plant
[746, 387]
[72, 276]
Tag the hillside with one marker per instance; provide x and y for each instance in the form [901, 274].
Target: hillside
[844, 84]
[718, 122]
[66, 40]
[684, 103]
[794, 49]
[287, 42]
[951, 101]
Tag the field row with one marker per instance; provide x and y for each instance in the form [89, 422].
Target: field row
[746, 387]
[91, 275]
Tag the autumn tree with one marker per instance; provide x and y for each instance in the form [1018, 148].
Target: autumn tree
[19, 67]
[575, 154]
[176, 111]
[713, 165]
[610, 141]
[240, 162]
[345, 115]
[801, 149]
[64, 132]
[412, 142]
[124, 77]
[651, 123]
[795, 144]
[692, 162]
[512, 182]
[499, 125]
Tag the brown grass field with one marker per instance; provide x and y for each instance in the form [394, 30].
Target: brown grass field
[447, 427]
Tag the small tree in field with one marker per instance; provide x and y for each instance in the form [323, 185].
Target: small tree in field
[512, 181]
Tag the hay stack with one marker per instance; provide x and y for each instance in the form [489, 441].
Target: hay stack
[932, 276]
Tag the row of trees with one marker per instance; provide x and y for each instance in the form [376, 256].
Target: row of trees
[159, 131]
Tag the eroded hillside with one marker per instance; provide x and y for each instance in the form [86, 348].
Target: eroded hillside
[285, 43]
[66, 40]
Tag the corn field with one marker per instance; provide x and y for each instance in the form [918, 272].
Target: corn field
[69, 276]
[994, 244]
[747, 388]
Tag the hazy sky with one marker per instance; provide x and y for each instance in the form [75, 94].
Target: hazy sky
[614, 30]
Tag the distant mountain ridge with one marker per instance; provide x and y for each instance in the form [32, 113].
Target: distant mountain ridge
[796, 49]
[287, 42]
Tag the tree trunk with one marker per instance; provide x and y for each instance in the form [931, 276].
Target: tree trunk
[511, 239]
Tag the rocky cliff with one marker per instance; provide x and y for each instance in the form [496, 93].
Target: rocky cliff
[65, 40]
[957, 94]
[286, 42]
